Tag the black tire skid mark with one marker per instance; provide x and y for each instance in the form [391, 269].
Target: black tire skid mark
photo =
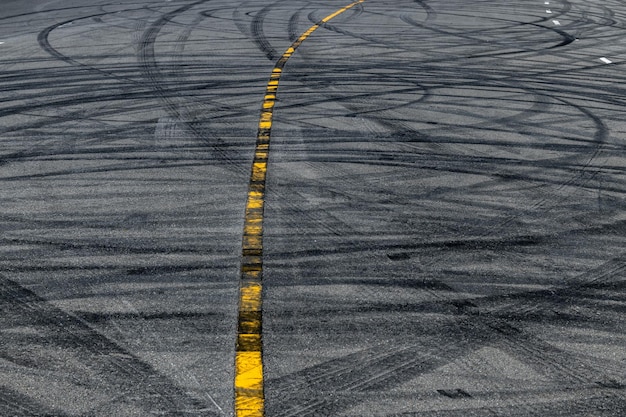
[201, 104]
[41, 79]
[213, 14]
[594, 405]
[101, 246]
[293, 212]
[77, 96]
[125, 152]
[39, 150]
[570, 370]
[72, 96]
[67, 148]
[239, 18]
[296, 208]
[300, 217]
[567, 38]
[536, 108]
[392, 125]
[579, 176]
[545, 305]
[321, 219]
[494, 40]
[472, 241]
[581, 26]
[407, 248]
[258, 35]
[359, 372]
[431, 13]
[15, 404]
[560, 367]
[376, 369]
[136, 381]
[114, 167]
[399, 126]
[300, 411]
[147, 55]
[153, 74]
[314, 17]
[523, 305]
[371, 371]
[112, 93]
[607, 19]
[553, 312]
[292, 28]
[297, 211]
[53, 153]
[338, 173]
[498, 312]
[303, 218]
[510, 337]
[318, 84]
[60, 9]
[444, 162]
[584, 171]
[129, 270]
[44, 43]
[327, 410]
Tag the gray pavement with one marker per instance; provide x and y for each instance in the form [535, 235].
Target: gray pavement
[445, 208]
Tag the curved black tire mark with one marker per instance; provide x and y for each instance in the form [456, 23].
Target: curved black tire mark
[256, 29]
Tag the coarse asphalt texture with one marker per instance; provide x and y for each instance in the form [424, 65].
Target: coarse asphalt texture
[443, 217]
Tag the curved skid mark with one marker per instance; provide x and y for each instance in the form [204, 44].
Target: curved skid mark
[256, 29]
[152, 73]
[44, 42]
[170, 92]
[148, 58]
[293, 26]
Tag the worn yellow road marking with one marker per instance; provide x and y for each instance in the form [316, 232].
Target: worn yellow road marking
[249, 395]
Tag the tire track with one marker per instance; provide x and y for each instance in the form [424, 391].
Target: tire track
[147, 58]
[14, 404]
[95, 359]
[44, 43]
[256, 29]
[385, 367]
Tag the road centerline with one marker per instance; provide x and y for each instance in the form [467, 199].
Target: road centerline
[248, 384]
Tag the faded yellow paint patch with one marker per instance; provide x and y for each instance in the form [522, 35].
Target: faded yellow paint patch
[259, 170]
[252, 229]
[252, 242]
[255, 204]
[251, 271]
[250, 294]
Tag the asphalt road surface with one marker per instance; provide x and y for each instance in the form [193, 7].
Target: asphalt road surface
[444, 224]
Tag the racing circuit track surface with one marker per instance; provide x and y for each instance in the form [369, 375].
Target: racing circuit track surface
[437, 228]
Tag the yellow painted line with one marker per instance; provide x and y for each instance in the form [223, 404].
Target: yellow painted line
[249, 389]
